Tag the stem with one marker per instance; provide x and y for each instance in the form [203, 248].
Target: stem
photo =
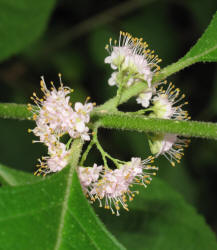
[126, 95]
[14, 111]
[173, 68]
[99, 147]
[117, 162]
[68, 143]
[104, 154]
[122, 81]
[141, 111]
[75, 150]
[130, 121]
[127, 121]
[119, 93]
[85, 154]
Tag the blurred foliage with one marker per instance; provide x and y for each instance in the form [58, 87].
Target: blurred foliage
[170, 28]
[27, 19]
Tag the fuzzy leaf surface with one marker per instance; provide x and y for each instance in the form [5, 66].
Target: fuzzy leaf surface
[51, 214]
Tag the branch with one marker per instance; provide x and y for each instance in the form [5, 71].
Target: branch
[127, 121]
[130, 121]
[14, 111]
[128, 93]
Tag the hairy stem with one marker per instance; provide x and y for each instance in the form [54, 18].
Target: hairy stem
[130, 121]
[14, 111]
[99, 147]
[173, 68]
[75, 150]
[85, 154]
[125, 96]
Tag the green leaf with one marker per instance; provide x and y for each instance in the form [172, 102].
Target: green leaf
[205, 50]
[21, 22]
[159, 218]
[51, 214]
[12, 177]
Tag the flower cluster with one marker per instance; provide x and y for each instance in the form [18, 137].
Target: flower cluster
[165, 105]
[114, 186]
[133, 62]
[55, 117]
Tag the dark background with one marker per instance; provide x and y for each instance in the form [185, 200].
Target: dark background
[73, 44]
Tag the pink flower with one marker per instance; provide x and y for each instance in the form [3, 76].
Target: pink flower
[114, 186]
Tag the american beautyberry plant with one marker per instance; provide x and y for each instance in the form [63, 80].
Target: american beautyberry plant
[55, 117]
[55, 205]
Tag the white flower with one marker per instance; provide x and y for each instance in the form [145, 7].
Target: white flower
[118, 55]
[163, 107]
[169, 145]
[144, 98]
[138, 65]
[88, 175]
[138, 171]
[131, 57]
[56, 161]
[44, 132]
[54, 117]
[114, 185]
[54, 114]
[83, 110]
[112, 80]
[80, 126]
[164, 104]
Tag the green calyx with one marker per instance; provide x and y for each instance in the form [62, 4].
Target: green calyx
[155, 143]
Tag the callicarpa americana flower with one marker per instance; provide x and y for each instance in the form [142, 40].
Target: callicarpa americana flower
[145, 97]
[55, 117]
[112, 188]
[88, 176]
[169, 145]
[166, 105]
[55, 111]
[56, 161]
[132, 60]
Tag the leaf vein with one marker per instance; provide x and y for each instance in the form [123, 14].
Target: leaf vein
[64, 208]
